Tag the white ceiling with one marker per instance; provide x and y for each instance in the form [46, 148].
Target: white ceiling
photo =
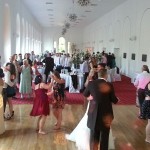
[56, 12]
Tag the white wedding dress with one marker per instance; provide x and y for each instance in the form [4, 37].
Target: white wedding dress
[81, 135]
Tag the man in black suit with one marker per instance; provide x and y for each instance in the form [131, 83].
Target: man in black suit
[49, 65]
[100, 114]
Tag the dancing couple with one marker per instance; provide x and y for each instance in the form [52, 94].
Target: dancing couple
[41, 108]
[92, 133]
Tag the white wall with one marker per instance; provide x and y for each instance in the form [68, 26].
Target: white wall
[17, 43]
[130, 19]
[73, 35]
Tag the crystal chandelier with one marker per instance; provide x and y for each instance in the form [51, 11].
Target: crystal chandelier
[67, 25]
[84, 2]
[73, 17]
[64, 30]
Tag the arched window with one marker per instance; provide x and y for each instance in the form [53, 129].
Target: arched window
[23, 37]
[69, 47]
[55, 46]
[27, 38]
[62, 44]
[7, 33]
[18, 34]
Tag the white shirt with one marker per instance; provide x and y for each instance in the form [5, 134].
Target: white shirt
[7, 80]
[62, 60]
[57, 60]
[68, 62]
[32, 57]
[85, 67]
[142, 80]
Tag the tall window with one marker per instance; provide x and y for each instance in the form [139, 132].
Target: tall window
[62, 43]
[69, 47]
[18, 34]
[55, 46]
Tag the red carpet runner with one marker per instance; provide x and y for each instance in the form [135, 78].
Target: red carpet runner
[125, 91]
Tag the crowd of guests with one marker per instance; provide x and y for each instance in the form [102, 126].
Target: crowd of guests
[23, 74]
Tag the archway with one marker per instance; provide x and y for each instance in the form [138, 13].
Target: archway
[69, 47]
[55, 46]
[62, 44]
[144, 43]
[23, 37]
[7, 33]
[18, 34]
[26, 37]
[110, 39]
[117, 37]
[126, 46]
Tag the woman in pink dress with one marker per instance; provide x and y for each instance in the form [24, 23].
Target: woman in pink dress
[41, 103]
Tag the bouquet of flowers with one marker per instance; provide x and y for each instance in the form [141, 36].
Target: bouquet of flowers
[77, 60]
[98, 57]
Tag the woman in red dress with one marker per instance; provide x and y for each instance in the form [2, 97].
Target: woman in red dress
[41, 103]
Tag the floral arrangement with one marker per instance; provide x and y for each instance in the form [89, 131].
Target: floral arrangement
[98, 56]
[76, 60]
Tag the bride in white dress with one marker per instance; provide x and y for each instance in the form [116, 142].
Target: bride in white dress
[81, 134]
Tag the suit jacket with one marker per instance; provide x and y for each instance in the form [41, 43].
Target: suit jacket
[101, 105]
[49, 64]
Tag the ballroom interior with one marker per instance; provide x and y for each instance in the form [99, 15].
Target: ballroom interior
[121, 27]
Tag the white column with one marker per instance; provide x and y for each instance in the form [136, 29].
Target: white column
[2, 128]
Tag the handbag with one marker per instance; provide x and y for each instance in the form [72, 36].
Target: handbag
[10, 91]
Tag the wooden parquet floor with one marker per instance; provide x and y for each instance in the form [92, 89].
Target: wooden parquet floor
[129, 132]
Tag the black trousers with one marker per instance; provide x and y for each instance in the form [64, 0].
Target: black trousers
[47, 74]
[58, 68]
[68, 68]
[85, 76]
[99, 136]
[84, 80]
[19, 77]
[141, 97]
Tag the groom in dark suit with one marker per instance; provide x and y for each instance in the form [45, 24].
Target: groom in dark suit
[49, 65]
[100, 114]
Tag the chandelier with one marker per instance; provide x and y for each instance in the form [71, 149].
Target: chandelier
[84, 2]
[67, 25]
[64, 30]
[73, 17]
